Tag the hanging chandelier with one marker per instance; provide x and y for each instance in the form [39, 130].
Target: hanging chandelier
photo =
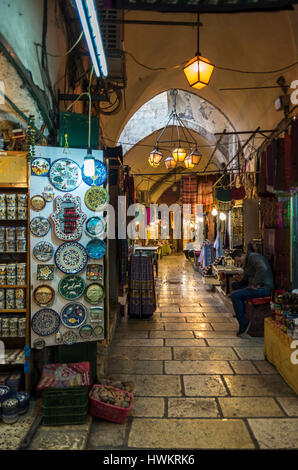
[198, 70]
[183, 143]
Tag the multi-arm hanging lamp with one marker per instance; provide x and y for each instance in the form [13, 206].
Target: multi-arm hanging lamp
[198, 70]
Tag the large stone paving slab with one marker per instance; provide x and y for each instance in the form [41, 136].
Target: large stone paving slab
[121, 365]
[188, 326]
[139, 342]
[215, 334]
[265, 367]
[204, 386]
[201, 354]
[197, 367]
[250, 353]
[105, 435]
[242, 407]
[121, 333]
[154, 353]
[148, 407]
[257, 385]
[275, 433]
[140, 326]
[224, 326]
[233, 342]
[193, 408]
[185, 342]
[243, 367]
[189, 433]
[289, 404]
[154, 385]
[172, 334]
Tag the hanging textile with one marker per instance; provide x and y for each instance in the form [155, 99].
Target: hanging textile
[205, 195]
[270, 160]
[294, 153]
[190, 191]
[142, 303]
[280, 172]
[287, 150]
[123, 260]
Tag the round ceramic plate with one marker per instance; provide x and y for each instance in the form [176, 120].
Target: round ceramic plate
[71, 257]
[65, 174]
[39, 226]
[44, 295]
[95, 227]
[86, 331]
[96, 198]
[38, 203]
[71, 287]
[73, 315]
[40, 166]
[94, 293]
[96, 249]
[39, 344]
[100, 176]
[45, 322]
[43, 251]
[69, 338]
[98, 330]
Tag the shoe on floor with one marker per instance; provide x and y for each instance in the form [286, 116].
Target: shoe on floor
[243, 329]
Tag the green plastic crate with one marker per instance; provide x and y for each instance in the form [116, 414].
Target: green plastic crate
[48, 411]
[64, 420]
[65, 397]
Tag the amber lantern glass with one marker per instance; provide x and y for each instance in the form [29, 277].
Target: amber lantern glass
[170, 162]
[179, 154]
[198, 72]
[188, 163]
[195, 157]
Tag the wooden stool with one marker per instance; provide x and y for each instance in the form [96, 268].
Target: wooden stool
[256, 310]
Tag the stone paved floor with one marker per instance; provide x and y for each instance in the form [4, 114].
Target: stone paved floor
[196, 384]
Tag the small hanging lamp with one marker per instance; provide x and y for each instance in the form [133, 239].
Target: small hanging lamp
[170, 162]
[198, 70]
[155, 157]
[214, 212]
[188, 163]
[179, 154]
[195, 157]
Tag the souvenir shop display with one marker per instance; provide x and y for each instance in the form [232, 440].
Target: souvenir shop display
[96, 198]
[71, 257]
[43, 251]
[40, 166]
[65, 174]
[96, 249]
[39, 226]
[38, 203]
[71, 287]
[99, 177]
[59, 262]
[68, 218]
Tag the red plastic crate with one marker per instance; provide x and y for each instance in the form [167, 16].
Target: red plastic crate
[113, 413]
[260, 300]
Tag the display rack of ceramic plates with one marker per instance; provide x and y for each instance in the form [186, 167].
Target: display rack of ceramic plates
[94, 293]
[96, 249]
[44, 295]
[99, 177]
[96, 198]
[39, 226]
[45, 322]
[71, 257]
[69, 338]
[40, 166]
[38, 203]
[95, 227]
[65, 174]
[71, 287]
[43, 251]
[86, 331]
[68, 218]
[73, 315]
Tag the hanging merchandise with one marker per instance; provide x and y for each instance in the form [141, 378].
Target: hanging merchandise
[223, 194]
[96, 199]
[40, 226]
[65, 174]
[40, 166]
[237, 189]
[190, 191]
[294, 153]
[71, 257]
[142, 303]
[99, 177]
[68, 218]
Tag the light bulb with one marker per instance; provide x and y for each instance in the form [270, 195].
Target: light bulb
[222, 216]
[89, 164]
[214, 211]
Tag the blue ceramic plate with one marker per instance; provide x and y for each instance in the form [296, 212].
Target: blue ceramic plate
[95, 227]
[65, 174]
[71, 257]
[100, 176]
[45, 322]
[39, 226]
[73, 315]
[96, 249]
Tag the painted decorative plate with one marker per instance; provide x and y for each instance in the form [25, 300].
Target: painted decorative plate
[65, 174]
[48, 193]
[95, 227]
[73, 315]
[94, 293]
[96, 198]
[94, 272]
[45, 322]
[68, 218]
[38, 203]
[71, 257]
[39, 344]
[69, 338]
[100, 176]
[86, 331]
[96, 314]
[43, 251]
[71, 287]
[96, 249]
[39, 226]
[98, 331]
[45, 272]
[44, 295]
[40, 166]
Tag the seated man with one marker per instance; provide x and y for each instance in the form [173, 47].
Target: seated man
[257, 281]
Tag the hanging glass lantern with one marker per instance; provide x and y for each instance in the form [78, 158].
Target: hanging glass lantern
[198, 72]
[195, 157]
[222, 216]
[179, 154]
[170, 162]
[214, 212]
[155, 157]
[188, 163]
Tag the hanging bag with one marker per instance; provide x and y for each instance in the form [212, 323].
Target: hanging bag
[223, 194]
[237, 189]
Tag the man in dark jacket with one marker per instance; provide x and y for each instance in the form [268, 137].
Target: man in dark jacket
[257, 281]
